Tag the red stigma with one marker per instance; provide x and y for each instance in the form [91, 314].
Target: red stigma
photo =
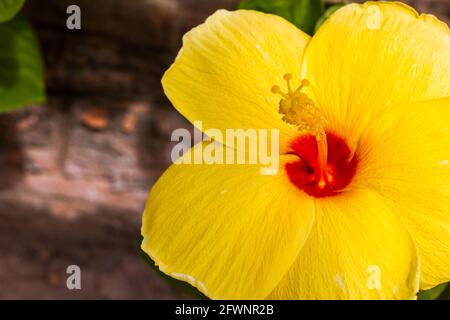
[305, 173]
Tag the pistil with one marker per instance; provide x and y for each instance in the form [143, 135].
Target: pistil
[299, 110]
[322, 157]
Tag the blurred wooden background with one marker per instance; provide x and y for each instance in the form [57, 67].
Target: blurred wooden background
[76, 171]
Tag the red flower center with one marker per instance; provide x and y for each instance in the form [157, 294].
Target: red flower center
[305, 173]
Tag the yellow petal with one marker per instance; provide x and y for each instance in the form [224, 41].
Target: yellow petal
[226, 229]
[357, 249]
[405, 156]
[368, 57]
[224, 73]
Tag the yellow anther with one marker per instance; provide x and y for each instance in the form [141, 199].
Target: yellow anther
[276, 89]
[299, 110]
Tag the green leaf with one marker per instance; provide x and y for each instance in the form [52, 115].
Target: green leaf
[433, 293]
[9, 8]
[327, 14]
[21, 67]
[302, 13]
[446, 294]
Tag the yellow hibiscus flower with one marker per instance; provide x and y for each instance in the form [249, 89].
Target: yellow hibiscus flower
[379, 74]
